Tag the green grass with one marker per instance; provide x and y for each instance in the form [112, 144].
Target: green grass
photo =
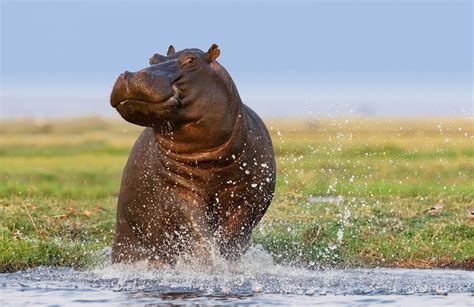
[59, 181]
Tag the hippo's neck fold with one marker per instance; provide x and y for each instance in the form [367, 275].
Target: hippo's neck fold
[224, 152]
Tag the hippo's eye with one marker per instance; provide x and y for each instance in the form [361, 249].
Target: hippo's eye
[189, 61]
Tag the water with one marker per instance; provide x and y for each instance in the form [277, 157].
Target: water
[255, 280]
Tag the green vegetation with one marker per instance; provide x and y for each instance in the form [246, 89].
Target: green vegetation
[350, 192]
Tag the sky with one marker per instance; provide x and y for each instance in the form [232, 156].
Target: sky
[288, 58]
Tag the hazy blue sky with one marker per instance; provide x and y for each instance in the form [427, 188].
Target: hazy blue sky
[287, 57]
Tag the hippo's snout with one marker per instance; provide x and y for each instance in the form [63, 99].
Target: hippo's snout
[143, 86]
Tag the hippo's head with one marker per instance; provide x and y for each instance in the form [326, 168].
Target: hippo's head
[177, 89]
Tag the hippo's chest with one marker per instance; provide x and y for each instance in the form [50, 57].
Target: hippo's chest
[247, 171]
[153, 176]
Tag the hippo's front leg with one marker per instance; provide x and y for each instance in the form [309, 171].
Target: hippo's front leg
[237, 220]
[234, 235]
[126, 247]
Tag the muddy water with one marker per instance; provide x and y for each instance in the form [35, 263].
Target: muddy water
[255, 280]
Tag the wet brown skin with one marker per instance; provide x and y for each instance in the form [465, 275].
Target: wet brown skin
[201, 174]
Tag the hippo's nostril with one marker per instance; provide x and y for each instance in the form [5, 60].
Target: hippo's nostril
[127, 74]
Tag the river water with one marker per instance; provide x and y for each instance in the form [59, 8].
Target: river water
[255, 280]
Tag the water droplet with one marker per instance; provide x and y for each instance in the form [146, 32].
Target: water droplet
[340, 234]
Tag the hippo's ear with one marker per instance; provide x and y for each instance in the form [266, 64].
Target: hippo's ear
[171, 50]
[213, 52]
[156, 58]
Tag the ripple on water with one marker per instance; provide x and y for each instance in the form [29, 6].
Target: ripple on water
[256, 279]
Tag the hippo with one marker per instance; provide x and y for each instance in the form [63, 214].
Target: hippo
[202, 173]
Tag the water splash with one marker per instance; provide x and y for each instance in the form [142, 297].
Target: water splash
[253, 279]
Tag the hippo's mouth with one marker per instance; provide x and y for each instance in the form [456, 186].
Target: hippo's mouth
[170, 100]
[173, 100]
[146, 113]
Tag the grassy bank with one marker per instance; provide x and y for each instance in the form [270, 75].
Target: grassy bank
[350, 192]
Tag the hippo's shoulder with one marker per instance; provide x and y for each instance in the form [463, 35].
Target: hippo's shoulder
[145, 139]
[144, 147]
[254, 121]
